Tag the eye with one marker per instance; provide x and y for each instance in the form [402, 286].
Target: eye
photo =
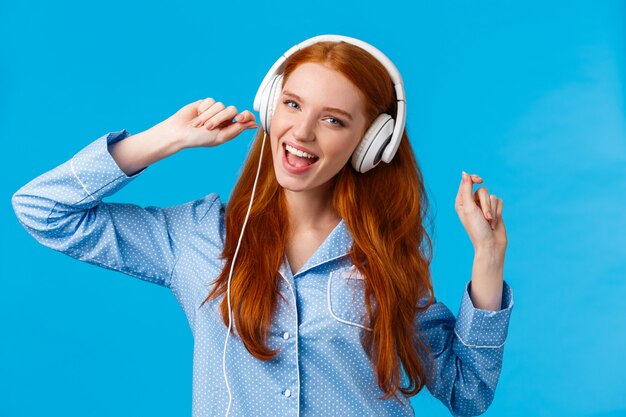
[288, 102]
[338, 122]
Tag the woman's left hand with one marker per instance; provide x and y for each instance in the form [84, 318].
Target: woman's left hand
[481, 215]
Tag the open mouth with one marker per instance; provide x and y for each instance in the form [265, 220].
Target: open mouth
[298, 161]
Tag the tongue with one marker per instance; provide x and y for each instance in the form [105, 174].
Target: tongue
[297, 161]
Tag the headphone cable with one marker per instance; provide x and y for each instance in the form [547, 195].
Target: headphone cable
[230, 397]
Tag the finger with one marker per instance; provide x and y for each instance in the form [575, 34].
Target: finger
[499, 209]
[206, 103]
[485, 205]
[458, 201]
[493, 203]
[248, 125]
[245, 116]
[214, 109]
[465, 190]
[477, 179]
[233, 130]
[188, 109]
[226, 114]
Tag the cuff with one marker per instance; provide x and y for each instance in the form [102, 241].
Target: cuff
[96, 170]
[484, 328]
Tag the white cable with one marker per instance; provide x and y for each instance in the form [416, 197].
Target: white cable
[230, 397]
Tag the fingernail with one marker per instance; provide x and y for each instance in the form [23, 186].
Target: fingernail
[464, 175]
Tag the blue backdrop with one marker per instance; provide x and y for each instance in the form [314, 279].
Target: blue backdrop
[529, 95]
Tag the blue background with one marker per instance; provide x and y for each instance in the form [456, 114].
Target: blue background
[529, 95]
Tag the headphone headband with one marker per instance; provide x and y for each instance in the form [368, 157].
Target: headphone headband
[400, 119]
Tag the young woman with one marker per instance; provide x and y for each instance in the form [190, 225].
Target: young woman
[318, 267]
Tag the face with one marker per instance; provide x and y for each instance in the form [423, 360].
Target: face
[318, 111]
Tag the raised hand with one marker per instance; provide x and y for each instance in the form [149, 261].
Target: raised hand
[207, 123]
[480, 214]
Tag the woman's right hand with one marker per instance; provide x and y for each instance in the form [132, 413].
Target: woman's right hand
[192, 123]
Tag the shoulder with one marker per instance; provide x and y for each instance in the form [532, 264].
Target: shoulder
[202, 218]
[198, 211]
[211, 211]
[209, 208]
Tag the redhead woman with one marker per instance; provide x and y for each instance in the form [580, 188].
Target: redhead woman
[309, 293]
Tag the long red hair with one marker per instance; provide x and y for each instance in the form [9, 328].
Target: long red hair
[383, 209]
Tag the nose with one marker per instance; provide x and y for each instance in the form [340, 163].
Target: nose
[304, 128]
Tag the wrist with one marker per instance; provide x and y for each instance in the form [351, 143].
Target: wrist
[490, 254]
[170, 140]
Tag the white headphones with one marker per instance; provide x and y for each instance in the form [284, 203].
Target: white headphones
[382, 138]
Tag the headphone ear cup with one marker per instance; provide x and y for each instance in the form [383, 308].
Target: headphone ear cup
[369, 151]
[269, 100]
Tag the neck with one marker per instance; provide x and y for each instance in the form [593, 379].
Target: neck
[311, 209]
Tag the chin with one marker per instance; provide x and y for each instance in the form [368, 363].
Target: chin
[292, 184]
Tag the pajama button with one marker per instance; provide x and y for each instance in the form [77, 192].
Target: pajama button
[286, 335]
[287, 393]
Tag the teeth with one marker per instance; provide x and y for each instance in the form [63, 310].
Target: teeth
[295, 151]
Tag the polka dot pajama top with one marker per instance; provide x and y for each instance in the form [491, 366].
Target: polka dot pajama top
[321, 369]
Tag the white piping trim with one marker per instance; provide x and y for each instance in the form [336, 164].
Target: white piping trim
[78, 179]
[476, 346]
[295, 307]
[330, 309]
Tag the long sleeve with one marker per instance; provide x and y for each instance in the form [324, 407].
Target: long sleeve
[63, 210]
[467, 352]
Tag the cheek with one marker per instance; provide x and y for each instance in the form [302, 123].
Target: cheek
[275, 148]
[277, 117]
[337, 155]
[276, 127]
[354, 143]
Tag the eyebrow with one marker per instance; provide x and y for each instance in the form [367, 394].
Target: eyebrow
[333, 109]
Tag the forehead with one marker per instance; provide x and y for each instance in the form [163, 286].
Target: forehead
[321, 85]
